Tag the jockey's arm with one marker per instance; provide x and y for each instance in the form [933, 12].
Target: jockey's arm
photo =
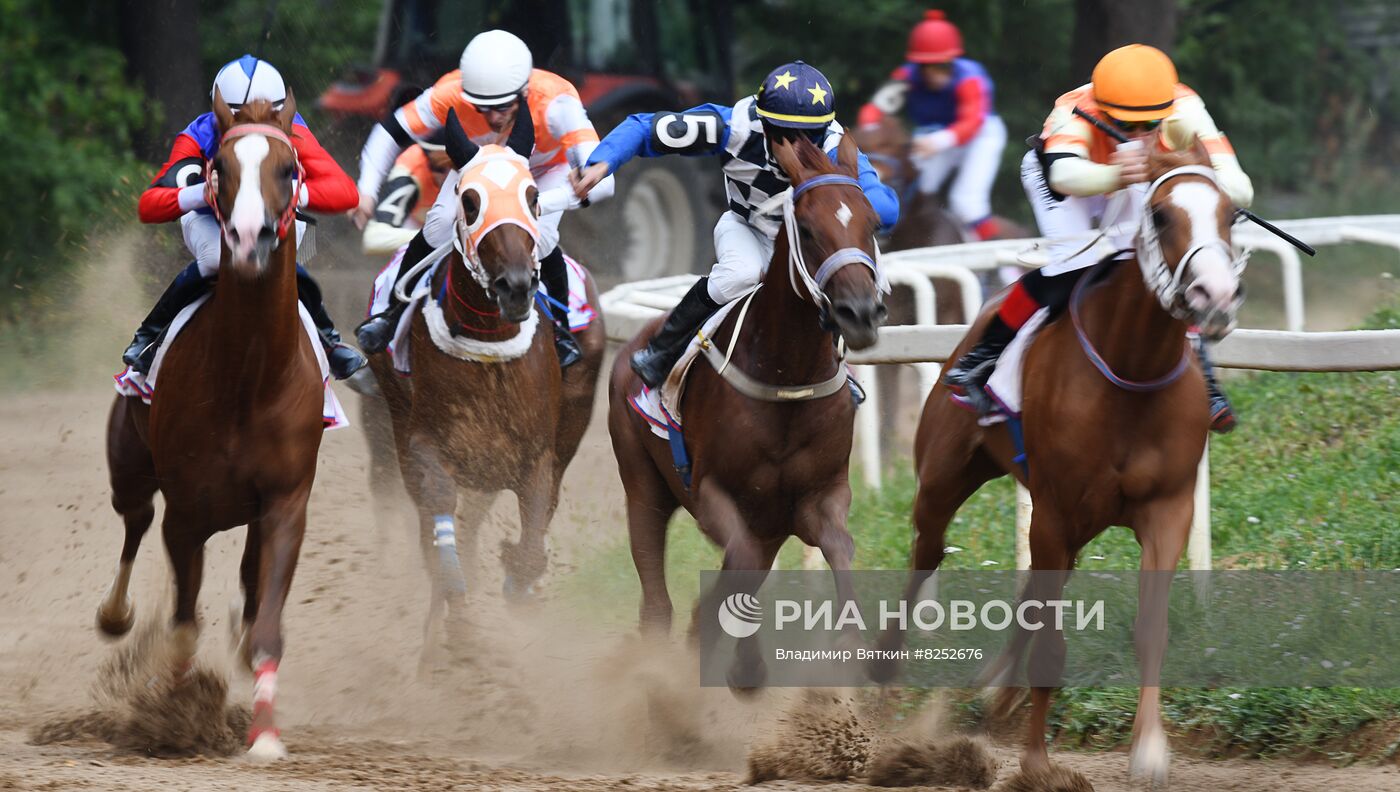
[699, 131]
[882, 198]
[386, 233]
[971, 95]
[178, 187]
[328, 188]
[888, 100]
[414, 122]
[1191, 122]
[568, 123]
[1069, 169]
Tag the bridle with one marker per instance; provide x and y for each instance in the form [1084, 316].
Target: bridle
[288, 215]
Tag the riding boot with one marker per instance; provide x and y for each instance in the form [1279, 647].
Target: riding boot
[1222, 415]
[970, 374]
[375, 333]
[654, 362]
[554, 274]
[187, 287]
[344, 360]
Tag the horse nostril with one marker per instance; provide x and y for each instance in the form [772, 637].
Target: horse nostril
[1197, 296]
[880, 313]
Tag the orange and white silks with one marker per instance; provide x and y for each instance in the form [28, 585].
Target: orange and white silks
[501, 181]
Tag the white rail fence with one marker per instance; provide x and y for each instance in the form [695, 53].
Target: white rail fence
[629, 306]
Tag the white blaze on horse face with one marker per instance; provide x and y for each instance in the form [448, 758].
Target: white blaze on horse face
[1214, 284]
[844, 215]
[249, 213]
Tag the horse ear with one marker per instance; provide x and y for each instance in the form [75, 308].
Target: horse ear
[848, 156]
[288, 113]
[1201, 152]
[785, 154]
[222, 114]
[459, 147]
[522, 132]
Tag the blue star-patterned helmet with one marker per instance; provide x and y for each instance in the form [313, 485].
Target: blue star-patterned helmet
[796, 96]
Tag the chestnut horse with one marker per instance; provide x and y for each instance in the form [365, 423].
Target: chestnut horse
[923, 222]
[497, 414]
[764, 470]
[1115, 421]
[231, 434]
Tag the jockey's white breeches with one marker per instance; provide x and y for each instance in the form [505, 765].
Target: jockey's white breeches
[742, 253]
[438, 226]
[970, 194]
[1068, 223]
[202, 238]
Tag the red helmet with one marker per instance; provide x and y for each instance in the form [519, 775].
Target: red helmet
[934, 40]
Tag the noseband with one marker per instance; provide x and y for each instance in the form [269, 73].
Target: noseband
[211, 180]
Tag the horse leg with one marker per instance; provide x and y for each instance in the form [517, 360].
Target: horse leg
[280, 533]
[1162, 528]
[1051, 559]
[943, 489]
[133, 478]
[743, 552]
[525, 561]
[186, 551]
[248, 570]
[824, 519]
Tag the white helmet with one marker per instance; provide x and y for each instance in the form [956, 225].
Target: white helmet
[248, 79]
[495, 68]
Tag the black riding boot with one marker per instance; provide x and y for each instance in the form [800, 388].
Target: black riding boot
[185, 289]
[554, 273]
[375, 333]
[344, 360]
[654, 362]
[970, 374]
[1222, 415]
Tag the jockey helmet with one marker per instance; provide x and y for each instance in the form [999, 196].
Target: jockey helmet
[796, 96]
[934, 40]
[248, 79]
[1135, 83]
[496, 68]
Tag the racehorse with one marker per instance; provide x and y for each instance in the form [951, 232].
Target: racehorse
[231, 435]
[923, 222]
[776, 466]
[496, 414]
[1115, 421]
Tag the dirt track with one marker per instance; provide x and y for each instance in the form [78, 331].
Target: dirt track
[533, 702]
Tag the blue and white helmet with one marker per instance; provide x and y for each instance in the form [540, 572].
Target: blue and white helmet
[248, 79]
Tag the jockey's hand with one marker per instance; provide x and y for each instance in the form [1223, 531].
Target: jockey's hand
[362, 213]
[587, 178]
[1132, 164]
[934, 143]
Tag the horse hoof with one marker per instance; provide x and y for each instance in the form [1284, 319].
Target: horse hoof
[745, 682]
[1149, 761]
[516, 594]
[266, 748]
[882, 672]
[115, 626]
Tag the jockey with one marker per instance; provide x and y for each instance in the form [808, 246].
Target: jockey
[496, 80]
[177, 192]
[407, 194]
[794, 100]
[956, 127]
[1071, 174]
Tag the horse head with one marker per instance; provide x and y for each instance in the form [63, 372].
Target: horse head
[886, 145]
[498, 219]
[829, 229]
[250, 181]
[1184, 242]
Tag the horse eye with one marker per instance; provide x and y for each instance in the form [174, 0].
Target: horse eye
[1159, 218]
[287, 172]
[804, 233]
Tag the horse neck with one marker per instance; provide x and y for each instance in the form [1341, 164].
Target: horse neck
[257, 318]
[1136, 337]
[469, 310]
[782, 337]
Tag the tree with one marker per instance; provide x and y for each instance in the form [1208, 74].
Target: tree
[160, 39]
[1103, 25]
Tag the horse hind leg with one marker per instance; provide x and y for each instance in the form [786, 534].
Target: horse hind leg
[525, 561]
[133, 479]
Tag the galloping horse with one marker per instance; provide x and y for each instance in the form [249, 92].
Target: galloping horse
[231, 434]
[766, 469]
[1115, 421]
[496, 414]
[923, 222]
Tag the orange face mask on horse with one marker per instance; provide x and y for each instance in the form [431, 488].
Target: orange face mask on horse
[494, 189]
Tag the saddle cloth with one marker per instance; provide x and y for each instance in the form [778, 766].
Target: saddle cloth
[581, 312]
[661, 407]
[1005, 384]
[130, 382]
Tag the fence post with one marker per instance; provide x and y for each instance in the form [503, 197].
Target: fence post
[1198, 546]
[1023, 527]
[868, 427]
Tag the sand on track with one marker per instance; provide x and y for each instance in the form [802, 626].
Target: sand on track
[534, 700]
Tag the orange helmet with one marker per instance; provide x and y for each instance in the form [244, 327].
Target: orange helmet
[934, 40]
[1135, 83]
